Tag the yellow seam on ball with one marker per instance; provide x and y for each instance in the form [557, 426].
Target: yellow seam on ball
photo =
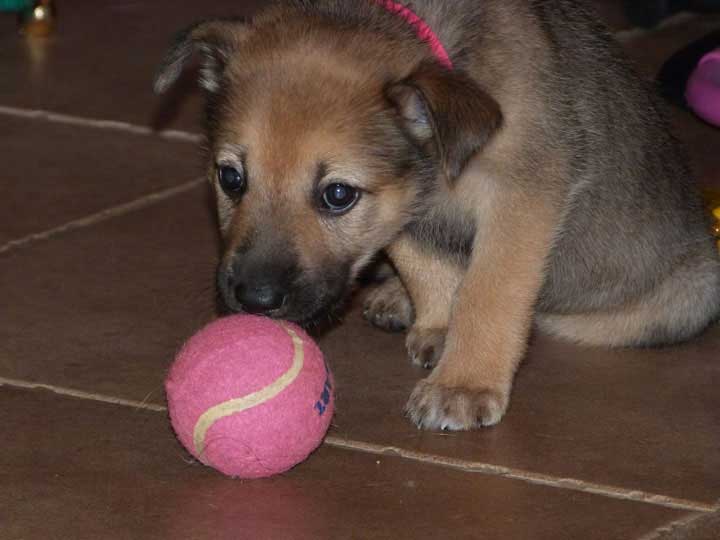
[212, 415]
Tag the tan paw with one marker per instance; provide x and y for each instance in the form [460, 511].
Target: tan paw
[388, 306]
[425, 345]
[433, 406]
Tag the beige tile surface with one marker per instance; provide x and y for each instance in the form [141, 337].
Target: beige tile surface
[55, 173]
[104, 308]
[83, 469]
[101, 61]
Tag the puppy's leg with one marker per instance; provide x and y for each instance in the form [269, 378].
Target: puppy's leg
[431, 282]
[388, 306]
[491, 317]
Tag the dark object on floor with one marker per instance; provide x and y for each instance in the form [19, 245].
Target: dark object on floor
[648, 13]
[675, 72]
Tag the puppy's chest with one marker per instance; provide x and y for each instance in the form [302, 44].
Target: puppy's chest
[444, 229]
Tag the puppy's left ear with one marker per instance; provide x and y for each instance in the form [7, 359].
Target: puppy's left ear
[215, 40]
[446, 112]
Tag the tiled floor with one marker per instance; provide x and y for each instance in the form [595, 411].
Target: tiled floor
[107, 248]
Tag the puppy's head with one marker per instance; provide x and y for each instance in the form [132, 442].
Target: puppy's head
[320, 153]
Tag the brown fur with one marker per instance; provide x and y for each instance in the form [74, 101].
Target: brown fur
[418, 268]
[535, 182]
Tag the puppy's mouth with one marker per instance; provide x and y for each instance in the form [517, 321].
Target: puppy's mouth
[314, 303]
[310, 301]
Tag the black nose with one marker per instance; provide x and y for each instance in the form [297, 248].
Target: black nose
[260, 298]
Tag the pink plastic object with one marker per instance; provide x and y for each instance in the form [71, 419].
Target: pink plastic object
[703, 88]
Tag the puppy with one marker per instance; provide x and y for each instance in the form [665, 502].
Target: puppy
[501, 152]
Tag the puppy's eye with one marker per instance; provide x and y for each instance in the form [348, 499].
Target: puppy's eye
[338, 198]
[231, 180]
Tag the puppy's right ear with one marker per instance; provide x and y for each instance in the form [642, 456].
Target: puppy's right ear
[215, 40]
[446, 111]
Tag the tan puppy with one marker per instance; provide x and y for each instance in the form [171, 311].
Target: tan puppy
[501, 152]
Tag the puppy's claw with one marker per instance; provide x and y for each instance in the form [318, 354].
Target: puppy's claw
[425, 346]
[434, 406]
[387, 306]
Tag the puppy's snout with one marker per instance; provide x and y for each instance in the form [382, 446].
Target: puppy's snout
[260, 298]
[259, 289]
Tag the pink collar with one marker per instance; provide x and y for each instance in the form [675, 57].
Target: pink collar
[422, 29]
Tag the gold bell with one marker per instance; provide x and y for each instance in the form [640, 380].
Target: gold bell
[716, 229]
[712, 203]
[39, 19]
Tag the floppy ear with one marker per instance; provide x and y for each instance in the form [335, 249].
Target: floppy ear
[447, 112]
[215, 40]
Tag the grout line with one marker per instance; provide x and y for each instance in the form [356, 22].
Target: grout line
[113, 125]
[89, 396]
[526, 476]
[102, 215]
[376, 449]
[674, 527]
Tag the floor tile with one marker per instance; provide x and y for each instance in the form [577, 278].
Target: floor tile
[54, 173]
[695, 527]
[645, 420]
[112, 78]
[83, 469]
[104, 309]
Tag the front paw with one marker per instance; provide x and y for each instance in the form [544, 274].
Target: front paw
[434, 406]
[425, 345]
[388, 306]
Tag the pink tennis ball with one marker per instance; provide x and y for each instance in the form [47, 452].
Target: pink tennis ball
[250, 396]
